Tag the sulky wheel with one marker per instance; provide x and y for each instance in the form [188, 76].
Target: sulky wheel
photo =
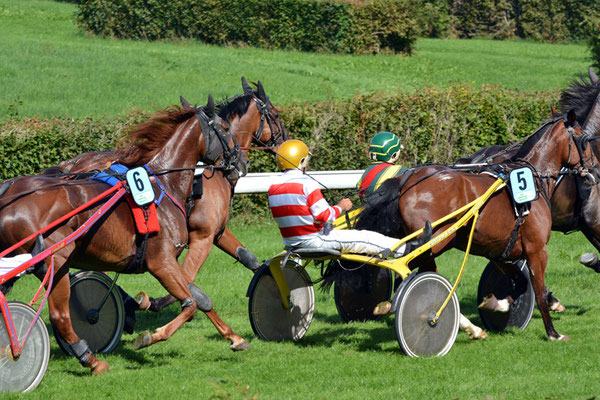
[419, 299]
[26, 372]
[494, 281]
[358, 288]
[98, 320]
[269, 319]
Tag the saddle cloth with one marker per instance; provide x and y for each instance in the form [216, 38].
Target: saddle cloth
[145, 218]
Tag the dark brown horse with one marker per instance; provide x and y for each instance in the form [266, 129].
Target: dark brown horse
[432, 192]
[575, 204]
[170, 144]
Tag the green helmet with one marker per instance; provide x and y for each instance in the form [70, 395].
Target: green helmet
[385, 146]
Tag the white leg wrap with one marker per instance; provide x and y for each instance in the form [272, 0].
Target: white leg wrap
[504, 305]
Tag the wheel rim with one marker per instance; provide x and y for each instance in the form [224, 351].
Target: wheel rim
[418, 302]
[357, 290]
[521, 310]
[100, 328]
[26, 373]
[269, 319]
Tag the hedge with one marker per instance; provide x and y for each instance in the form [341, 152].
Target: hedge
[435, 125]
[369, 26]
[546, 20]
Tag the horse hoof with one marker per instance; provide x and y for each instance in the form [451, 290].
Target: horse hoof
[557, 307]
[477, 334]
[561, 338]
[382, 308]
[100, 368]
[241, 346]
[143, 301]
[143, 340]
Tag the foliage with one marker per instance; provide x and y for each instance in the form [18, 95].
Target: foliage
[308, 25]
[593, 24]
[30, 145]
[547, 20]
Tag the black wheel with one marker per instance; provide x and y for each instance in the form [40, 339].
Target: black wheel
[101, 325]
[358, 288]
[269, 319]
[493, 281]
[419, 299]
[26, 372]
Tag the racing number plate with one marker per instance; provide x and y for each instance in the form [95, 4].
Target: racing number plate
[140, 186]
[522, 185]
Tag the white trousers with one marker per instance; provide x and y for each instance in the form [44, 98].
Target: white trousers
[7, 264]
[354, 241]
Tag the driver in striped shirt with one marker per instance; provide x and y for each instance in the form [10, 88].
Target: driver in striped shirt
[302, 213]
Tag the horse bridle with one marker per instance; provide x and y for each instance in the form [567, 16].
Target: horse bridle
[217, 143]
[264, 108]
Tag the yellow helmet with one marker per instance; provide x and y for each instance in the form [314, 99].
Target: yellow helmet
[292, 154]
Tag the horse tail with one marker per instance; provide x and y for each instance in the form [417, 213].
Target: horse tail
[329, 276]
[381, 213]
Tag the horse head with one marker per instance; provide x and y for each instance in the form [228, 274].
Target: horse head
[253, 118]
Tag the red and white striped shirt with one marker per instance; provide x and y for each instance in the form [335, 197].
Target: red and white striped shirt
[298, 206]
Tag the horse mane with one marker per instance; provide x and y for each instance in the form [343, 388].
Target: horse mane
[532, 139]
[237, 105]
[145, 140]
[381, 212]
[580, 96]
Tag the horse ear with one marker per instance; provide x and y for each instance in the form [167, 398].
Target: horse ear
[261, 92]
[210, 107]
[553, 111]
[571, 117]
[593, 76]
[184, 102]
[247, 88]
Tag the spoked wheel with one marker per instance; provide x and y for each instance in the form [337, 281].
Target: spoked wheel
[26, 372]
[358, 288]
[419, 299]
[493, 281]
[269, 319]
[97, 314]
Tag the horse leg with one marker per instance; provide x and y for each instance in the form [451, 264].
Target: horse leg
[471, 329]
[537, 266]
[591, 259]
[199, 248]
[58, 307]
[232, 246]
[237, 342]
[177, 284]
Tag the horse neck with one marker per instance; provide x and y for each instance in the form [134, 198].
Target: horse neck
[183, 151]
[592, 121]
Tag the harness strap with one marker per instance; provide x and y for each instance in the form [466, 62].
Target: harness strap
[515, 233]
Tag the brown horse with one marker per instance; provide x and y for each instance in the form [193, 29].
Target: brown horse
[250, 117]
[432, 192]
[170, 144]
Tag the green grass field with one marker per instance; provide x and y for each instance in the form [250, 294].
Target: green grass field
[344, 361]
[49, 68]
